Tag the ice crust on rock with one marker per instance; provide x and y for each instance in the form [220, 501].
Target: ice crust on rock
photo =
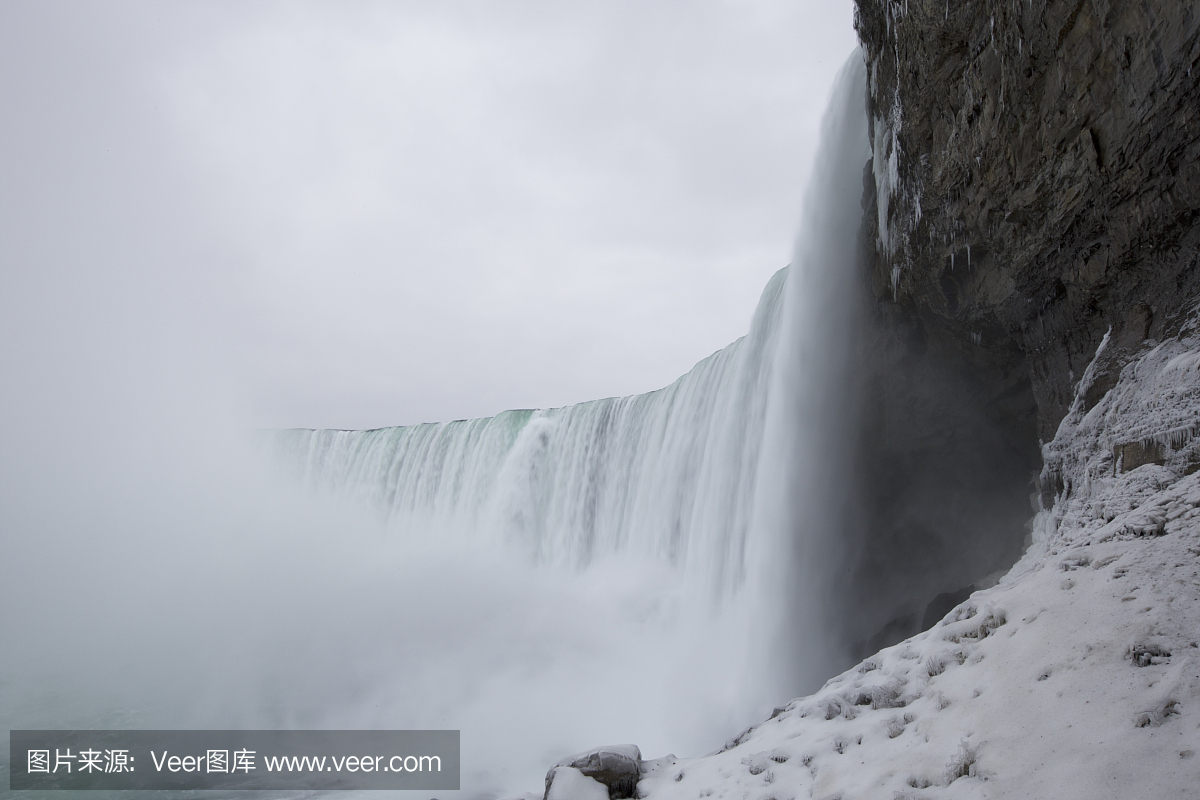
[1076, 676]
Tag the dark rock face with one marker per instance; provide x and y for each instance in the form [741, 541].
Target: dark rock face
[1046, 174]
[1035, 182]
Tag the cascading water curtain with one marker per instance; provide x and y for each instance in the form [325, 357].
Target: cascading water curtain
[806, 493]
[669, 474]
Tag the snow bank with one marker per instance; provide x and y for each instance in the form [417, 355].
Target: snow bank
[1077, 676]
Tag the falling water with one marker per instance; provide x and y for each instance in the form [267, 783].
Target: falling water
[667, 475]
[806, 504]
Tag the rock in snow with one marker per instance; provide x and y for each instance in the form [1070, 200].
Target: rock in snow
[616, 769]
[1077, 676]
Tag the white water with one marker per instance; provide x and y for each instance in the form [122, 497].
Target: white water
[646, 569]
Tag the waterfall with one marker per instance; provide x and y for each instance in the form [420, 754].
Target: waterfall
[807, 527]
[656, 568]
[669, 474]
[673, 474]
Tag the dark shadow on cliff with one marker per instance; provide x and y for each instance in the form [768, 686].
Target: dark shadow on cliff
[946, 461]
[948, 456]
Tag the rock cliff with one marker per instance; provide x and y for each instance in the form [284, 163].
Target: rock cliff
[1035, 183]
[1036, 176]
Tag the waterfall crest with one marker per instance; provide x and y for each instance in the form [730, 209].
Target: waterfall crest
[667, 474]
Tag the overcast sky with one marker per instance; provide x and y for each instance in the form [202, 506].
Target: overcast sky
[355, 214]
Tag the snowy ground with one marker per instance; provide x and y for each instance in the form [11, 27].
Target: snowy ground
[1077, 676]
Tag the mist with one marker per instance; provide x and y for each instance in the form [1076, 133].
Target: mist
[212, 223]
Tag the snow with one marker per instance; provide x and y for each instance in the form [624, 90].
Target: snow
[1076, 676]
[571, 784]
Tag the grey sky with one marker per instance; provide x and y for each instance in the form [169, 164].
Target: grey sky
[353, 214]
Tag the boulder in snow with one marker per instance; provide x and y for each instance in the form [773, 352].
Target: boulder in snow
[616, 768]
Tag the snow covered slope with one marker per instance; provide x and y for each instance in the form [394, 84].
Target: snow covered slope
[1077, 676]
